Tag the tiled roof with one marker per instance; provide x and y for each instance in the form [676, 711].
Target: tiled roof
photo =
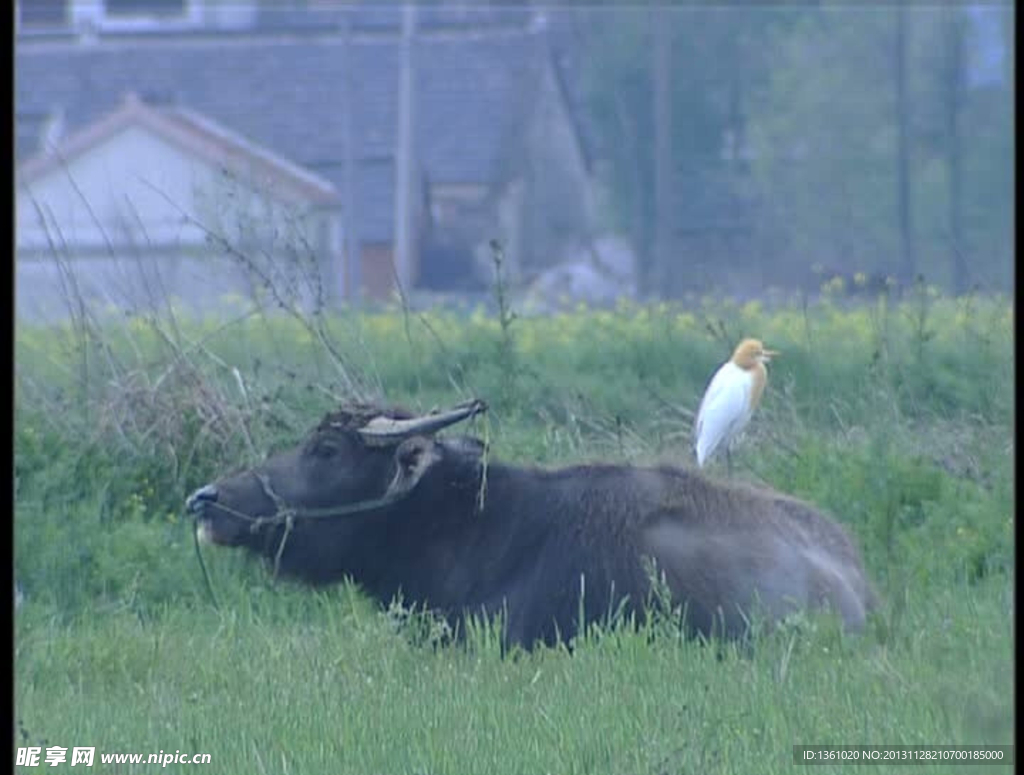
[195, 133]
[286, 93]
[387, 17]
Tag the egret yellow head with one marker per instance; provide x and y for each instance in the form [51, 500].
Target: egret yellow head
[750, 352]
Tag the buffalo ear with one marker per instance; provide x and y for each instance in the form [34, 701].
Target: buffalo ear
[414, 457]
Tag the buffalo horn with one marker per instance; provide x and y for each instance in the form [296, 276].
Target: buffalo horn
[384, 431]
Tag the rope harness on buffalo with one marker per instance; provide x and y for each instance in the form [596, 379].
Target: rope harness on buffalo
[287, 515]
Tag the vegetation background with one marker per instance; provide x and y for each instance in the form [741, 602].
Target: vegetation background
[751, 144]
[894, 416]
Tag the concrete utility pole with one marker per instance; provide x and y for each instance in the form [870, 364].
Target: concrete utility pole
[658, 273]
[901, 43]
[353, 261]
[404, 153]
[953, 85]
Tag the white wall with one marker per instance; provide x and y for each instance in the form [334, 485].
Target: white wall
[197, 285]
[134, 178]
[132, 220]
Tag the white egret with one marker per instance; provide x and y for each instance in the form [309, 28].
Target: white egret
[730, 400]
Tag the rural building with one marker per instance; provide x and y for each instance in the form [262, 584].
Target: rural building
[215, 102]
[149, 200]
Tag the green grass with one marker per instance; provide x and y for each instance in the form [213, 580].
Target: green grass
[319, 683]
[897, 420]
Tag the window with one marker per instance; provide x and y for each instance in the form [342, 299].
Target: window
[136, 15]
[155, 8]
[42, 13]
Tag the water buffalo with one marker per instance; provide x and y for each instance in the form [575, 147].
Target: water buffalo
[375, 495]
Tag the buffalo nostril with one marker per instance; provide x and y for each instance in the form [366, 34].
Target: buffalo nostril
[207, 494]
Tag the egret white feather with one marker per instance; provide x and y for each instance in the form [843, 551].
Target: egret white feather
[725, 410]
[731, 398]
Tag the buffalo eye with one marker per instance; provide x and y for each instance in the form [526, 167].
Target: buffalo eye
[325, 449]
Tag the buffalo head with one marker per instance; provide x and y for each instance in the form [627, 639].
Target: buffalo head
[355, 463]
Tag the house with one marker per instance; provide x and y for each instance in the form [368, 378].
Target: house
[498, 150]
[161, 182]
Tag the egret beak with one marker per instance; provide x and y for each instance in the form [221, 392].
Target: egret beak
[767, 355]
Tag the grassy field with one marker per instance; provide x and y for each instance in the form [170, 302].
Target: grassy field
[895, 418]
